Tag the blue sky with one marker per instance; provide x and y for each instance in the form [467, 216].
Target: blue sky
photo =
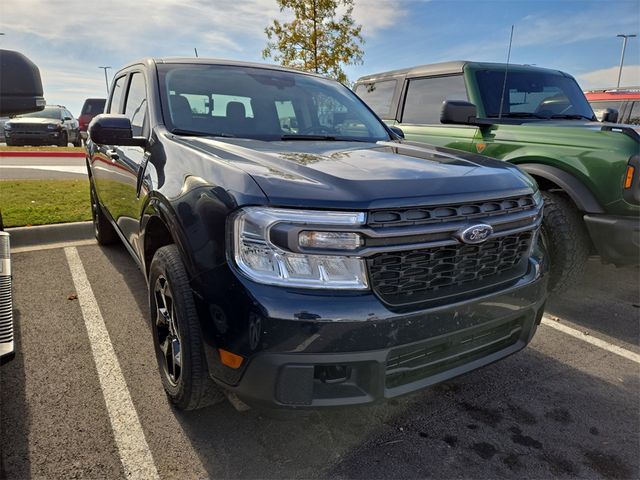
[69, 39]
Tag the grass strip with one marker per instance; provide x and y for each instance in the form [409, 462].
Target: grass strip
[41, 202]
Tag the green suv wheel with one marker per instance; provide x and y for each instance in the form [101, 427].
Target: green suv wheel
[566, 240]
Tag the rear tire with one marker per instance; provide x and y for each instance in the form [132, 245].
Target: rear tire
[566, 239]
[102, 229]
[177, 335]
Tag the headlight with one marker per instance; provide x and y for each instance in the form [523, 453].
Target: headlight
[261, 260]
[53, 126]
[537, 197]
[7, 126]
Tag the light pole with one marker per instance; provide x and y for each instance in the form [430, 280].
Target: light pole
[106, 80]
[624, 46]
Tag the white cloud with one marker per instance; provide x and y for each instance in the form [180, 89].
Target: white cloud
[69, 39]
[608, 77]
[378, 15]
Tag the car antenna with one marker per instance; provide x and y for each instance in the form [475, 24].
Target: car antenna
[506, 71]
[195, 50]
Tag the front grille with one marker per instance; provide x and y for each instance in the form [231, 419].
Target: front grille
[415, 362]
[6, 313]
[422, 275]
[449, 213]
[29, 128]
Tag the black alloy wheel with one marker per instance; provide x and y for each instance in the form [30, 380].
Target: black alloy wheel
[167, 331]
[177, 335]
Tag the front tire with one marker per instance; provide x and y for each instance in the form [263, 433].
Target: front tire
[64, 140]
[566, 239]
[78, 141]
[177, 336]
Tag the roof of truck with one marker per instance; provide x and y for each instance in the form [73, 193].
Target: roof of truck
[447, 68]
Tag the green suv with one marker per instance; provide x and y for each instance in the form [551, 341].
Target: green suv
[540, 120]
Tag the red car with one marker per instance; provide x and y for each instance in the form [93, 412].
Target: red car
[91, 108]
[626, 101]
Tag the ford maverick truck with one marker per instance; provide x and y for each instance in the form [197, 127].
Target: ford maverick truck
[538, 119]
[300, 254]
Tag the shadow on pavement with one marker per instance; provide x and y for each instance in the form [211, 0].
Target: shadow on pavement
[607, 300]
[14, 412]
[529, 416]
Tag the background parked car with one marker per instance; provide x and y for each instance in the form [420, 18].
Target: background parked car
[540, 120]
[91, 108]
[625, 101]
[52, 126]
[3, 120]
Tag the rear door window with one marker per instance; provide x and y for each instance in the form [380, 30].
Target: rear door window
[424, 97]
[379, 96]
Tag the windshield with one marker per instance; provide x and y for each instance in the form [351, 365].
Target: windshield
[53, 113]
[262, 104]
[532, 94]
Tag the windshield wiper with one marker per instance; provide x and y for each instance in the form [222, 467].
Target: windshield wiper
[572, 117]
[518, 115]
[182, 131]
[325, 138]
[307, 137]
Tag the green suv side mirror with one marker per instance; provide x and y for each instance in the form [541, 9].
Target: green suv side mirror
[459, 112]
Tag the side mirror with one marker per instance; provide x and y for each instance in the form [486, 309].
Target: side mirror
[112, 129]
[397, 131]
[459, 112]
[67, 118]
[20, 84]
[609, 115]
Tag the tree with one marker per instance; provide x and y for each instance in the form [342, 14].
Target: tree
[318, 39]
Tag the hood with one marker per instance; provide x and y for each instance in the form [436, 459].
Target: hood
[342, 174]
[33, 121]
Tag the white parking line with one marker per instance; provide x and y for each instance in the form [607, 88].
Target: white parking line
[134, 451]
[51, 246]
[609, 347]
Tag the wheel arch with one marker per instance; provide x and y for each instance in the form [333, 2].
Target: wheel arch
[550, 178]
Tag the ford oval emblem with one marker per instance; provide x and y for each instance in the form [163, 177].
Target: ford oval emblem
[476, 233]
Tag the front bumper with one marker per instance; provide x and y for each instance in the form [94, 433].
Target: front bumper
[616, 238]
[34, 137]
[311, 361]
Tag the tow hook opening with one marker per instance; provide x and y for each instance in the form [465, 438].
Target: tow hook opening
[332, 374]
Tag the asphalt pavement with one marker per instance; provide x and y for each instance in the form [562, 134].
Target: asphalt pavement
[562, 407]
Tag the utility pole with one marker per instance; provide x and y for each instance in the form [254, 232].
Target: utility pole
[624, 47]
[106, 80]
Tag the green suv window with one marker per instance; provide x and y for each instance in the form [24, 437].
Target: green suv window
[425, 97]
